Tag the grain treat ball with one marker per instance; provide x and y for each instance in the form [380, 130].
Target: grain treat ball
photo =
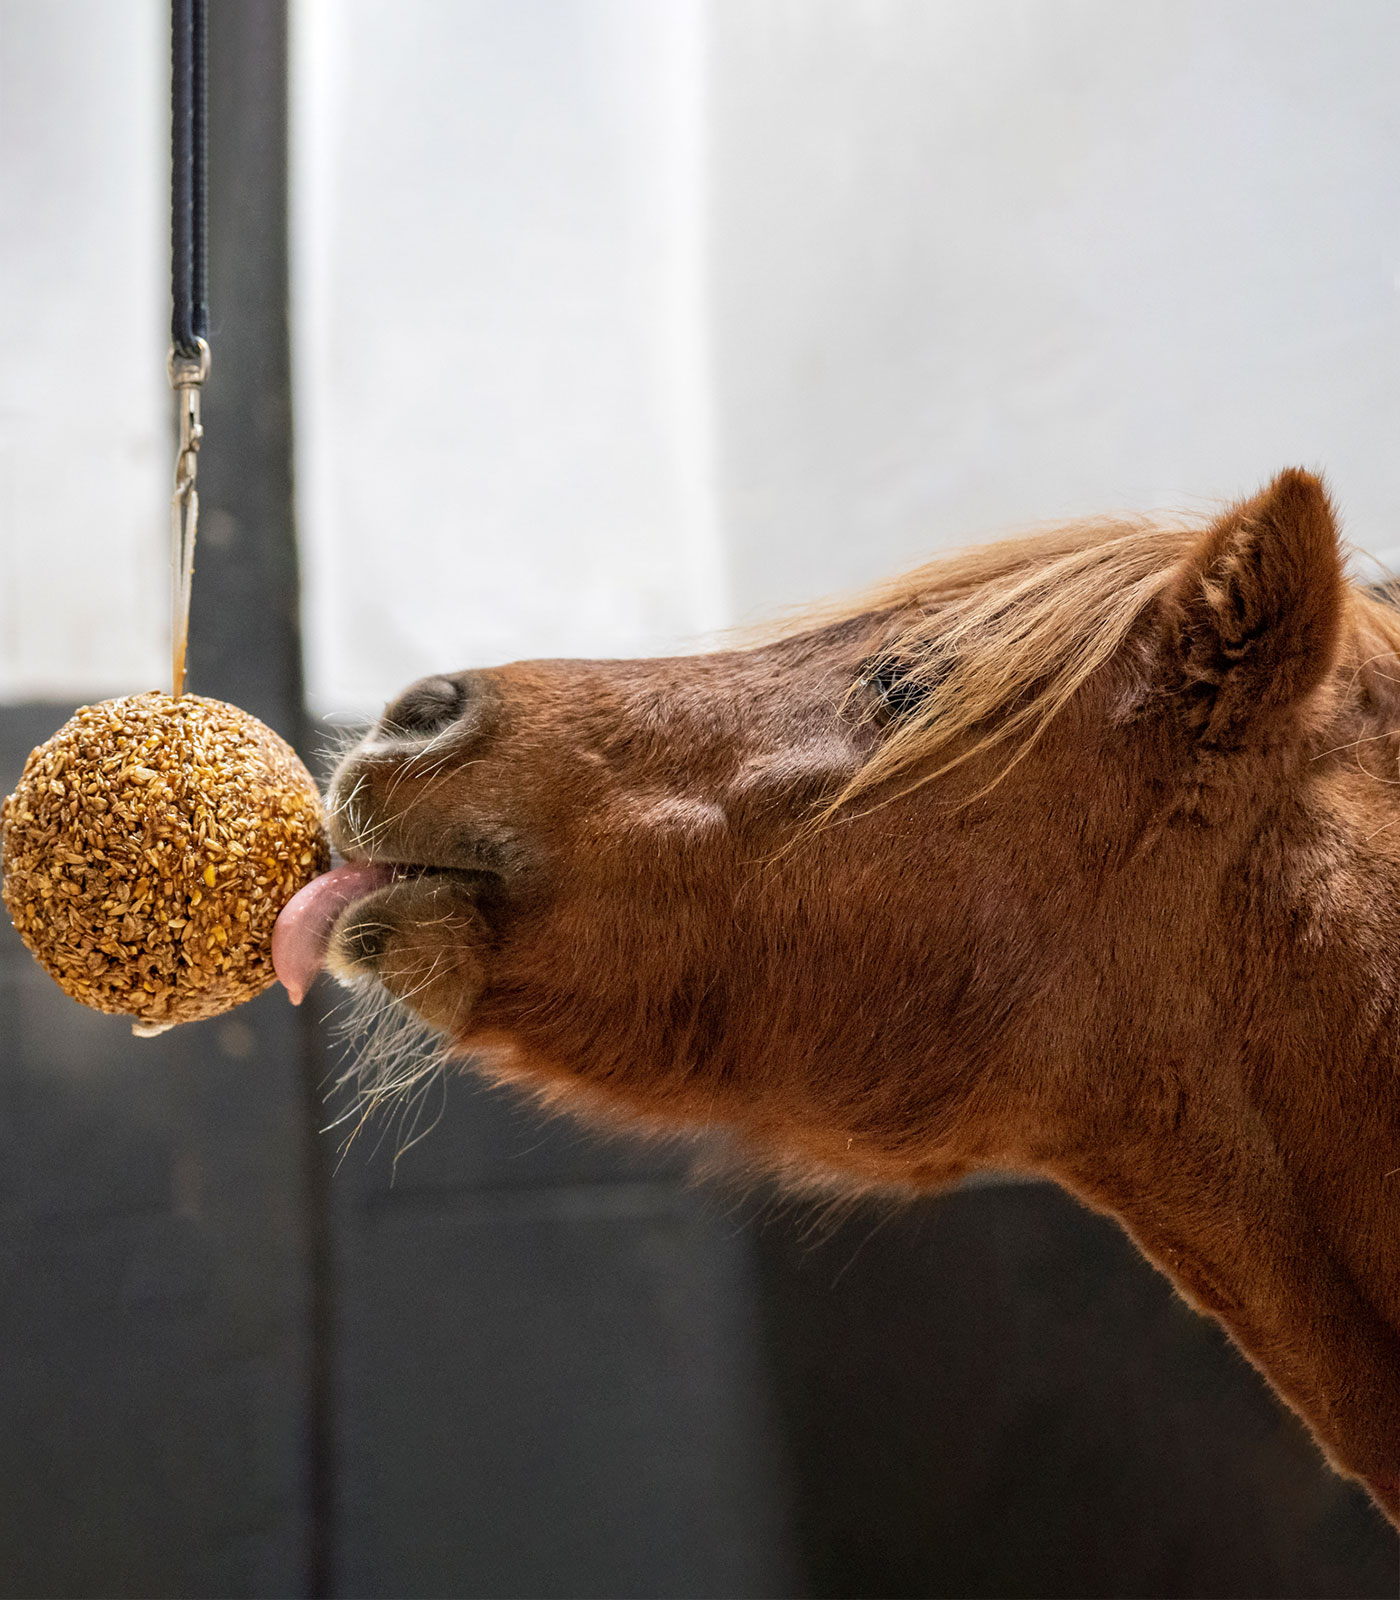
[148, 849]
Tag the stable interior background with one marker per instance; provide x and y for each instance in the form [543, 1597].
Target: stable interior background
[605, 325]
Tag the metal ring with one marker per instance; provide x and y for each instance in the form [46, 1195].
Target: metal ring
[184, 370]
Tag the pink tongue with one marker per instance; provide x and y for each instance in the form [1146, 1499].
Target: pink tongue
[304, 927]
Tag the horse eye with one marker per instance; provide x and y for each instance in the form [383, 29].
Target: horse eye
[425, 707]
[899, 692]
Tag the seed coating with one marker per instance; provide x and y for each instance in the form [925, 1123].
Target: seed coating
[148, 848]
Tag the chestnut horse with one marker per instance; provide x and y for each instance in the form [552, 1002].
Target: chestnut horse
[1078, 855]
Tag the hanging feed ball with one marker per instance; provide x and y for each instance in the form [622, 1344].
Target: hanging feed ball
[148, 848]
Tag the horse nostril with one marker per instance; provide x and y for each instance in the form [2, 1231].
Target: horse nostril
[426, 707]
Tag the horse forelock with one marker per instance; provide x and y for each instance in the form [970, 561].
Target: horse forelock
[982, 649]
[985, 647]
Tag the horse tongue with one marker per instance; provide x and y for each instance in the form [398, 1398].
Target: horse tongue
[303, 929]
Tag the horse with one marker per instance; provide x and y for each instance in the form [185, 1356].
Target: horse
[1076, 855]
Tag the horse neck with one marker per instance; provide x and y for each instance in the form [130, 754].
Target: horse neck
[1257, 1158]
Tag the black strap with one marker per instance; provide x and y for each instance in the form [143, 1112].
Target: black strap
[189, 183]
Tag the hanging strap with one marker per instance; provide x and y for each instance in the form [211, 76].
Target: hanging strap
[189, 293]
[189, 182]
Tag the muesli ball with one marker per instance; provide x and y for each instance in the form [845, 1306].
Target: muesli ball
[148, 848]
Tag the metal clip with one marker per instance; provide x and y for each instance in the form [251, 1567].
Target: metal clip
[186, 375]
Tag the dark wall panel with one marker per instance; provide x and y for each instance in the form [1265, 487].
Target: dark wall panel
[992, 1394]
[153, 1293]
[550, 1372]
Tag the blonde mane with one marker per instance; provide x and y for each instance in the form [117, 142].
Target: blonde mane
[989, 644]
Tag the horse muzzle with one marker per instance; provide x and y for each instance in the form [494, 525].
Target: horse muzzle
[408, 905]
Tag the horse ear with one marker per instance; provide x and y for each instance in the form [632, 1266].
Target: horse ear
[1256, 612]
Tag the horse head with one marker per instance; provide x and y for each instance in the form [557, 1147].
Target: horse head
[1076, 855]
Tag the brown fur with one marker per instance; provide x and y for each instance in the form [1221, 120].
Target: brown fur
[1112, 894]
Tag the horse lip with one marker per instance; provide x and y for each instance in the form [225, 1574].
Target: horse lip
[478, 852]
[307, 925]
[481, 883]
[346, 954]
[402, 870]
[359, 837]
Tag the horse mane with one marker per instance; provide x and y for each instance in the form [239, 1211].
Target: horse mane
[988, 644]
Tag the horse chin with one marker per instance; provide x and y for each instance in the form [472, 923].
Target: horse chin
[421, 938]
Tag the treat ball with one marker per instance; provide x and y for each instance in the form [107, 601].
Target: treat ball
[148, 849]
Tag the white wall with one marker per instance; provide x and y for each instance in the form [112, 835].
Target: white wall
[84, 297]
[620, 319]
[991, 261]
[754, 300]
[501, 400]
